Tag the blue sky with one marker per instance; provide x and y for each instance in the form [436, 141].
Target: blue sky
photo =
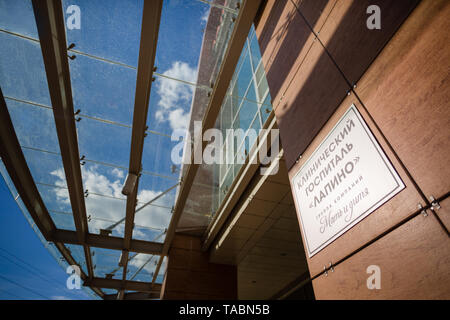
[31, 272]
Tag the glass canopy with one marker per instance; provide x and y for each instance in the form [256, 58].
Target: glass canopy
[103, 60]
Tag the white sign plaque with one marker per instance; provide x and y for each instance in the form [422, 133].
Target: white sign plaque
[346, 178]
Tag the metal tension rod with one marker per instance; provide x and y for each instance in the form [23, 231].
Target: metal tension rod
[147, 51]
[52, 35]
[244, 21]
[111, 227]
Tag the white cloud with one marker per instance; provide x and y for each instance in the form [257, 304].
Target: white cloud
[178, 119]
[104, 208]
[118, 173]
[175, 97]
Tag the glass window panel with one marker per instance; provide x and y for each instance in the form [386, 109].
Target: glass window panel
[226, 115]
[260, 73]
[218, 32]
[243, 80]
[22, 73]
[141, 267]
[105, 203]
[103, 90]
[180, 40]
[254, 48]
[106, 261]
[147, 233]
[200, 204]
[103, 212]
[157, 156]
[263, 87]
[235, 105]
[170, 104]
[246, 115]
[34, 126]
[17, 16]
[266, 108]
[63, 220]
[77, 252]
[56, 200]
[45, 167]
[251, 93]
[252, 133]
[104, 142]
[152, 219]
[242, 57]
[110, 29]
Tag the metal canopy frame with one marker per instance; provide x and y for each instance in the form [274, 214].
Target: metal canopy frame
[147, 52]
[50, 23]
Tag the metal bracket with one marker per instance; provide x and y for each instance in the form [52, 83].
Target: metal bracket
[330, 268]
[435, 205]
[423, 211]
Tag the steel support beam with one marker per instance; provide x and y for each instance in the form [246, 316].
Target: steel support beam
[16, 165]
[107, 242]
[50, 24]
[243, 23]
[147, 51]
[123, 285]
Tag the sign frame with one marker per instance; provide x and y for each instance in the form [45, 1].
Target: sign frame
[389, 194]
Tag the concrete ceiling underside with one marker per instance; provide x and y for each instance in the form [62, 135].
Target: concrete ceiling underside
[262, 238]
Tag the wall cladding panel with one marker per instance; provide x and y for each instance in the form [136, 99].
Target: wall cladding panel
[314, 94]
[419, 271]
[407, 93]
[304, 84]
[348, 40]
